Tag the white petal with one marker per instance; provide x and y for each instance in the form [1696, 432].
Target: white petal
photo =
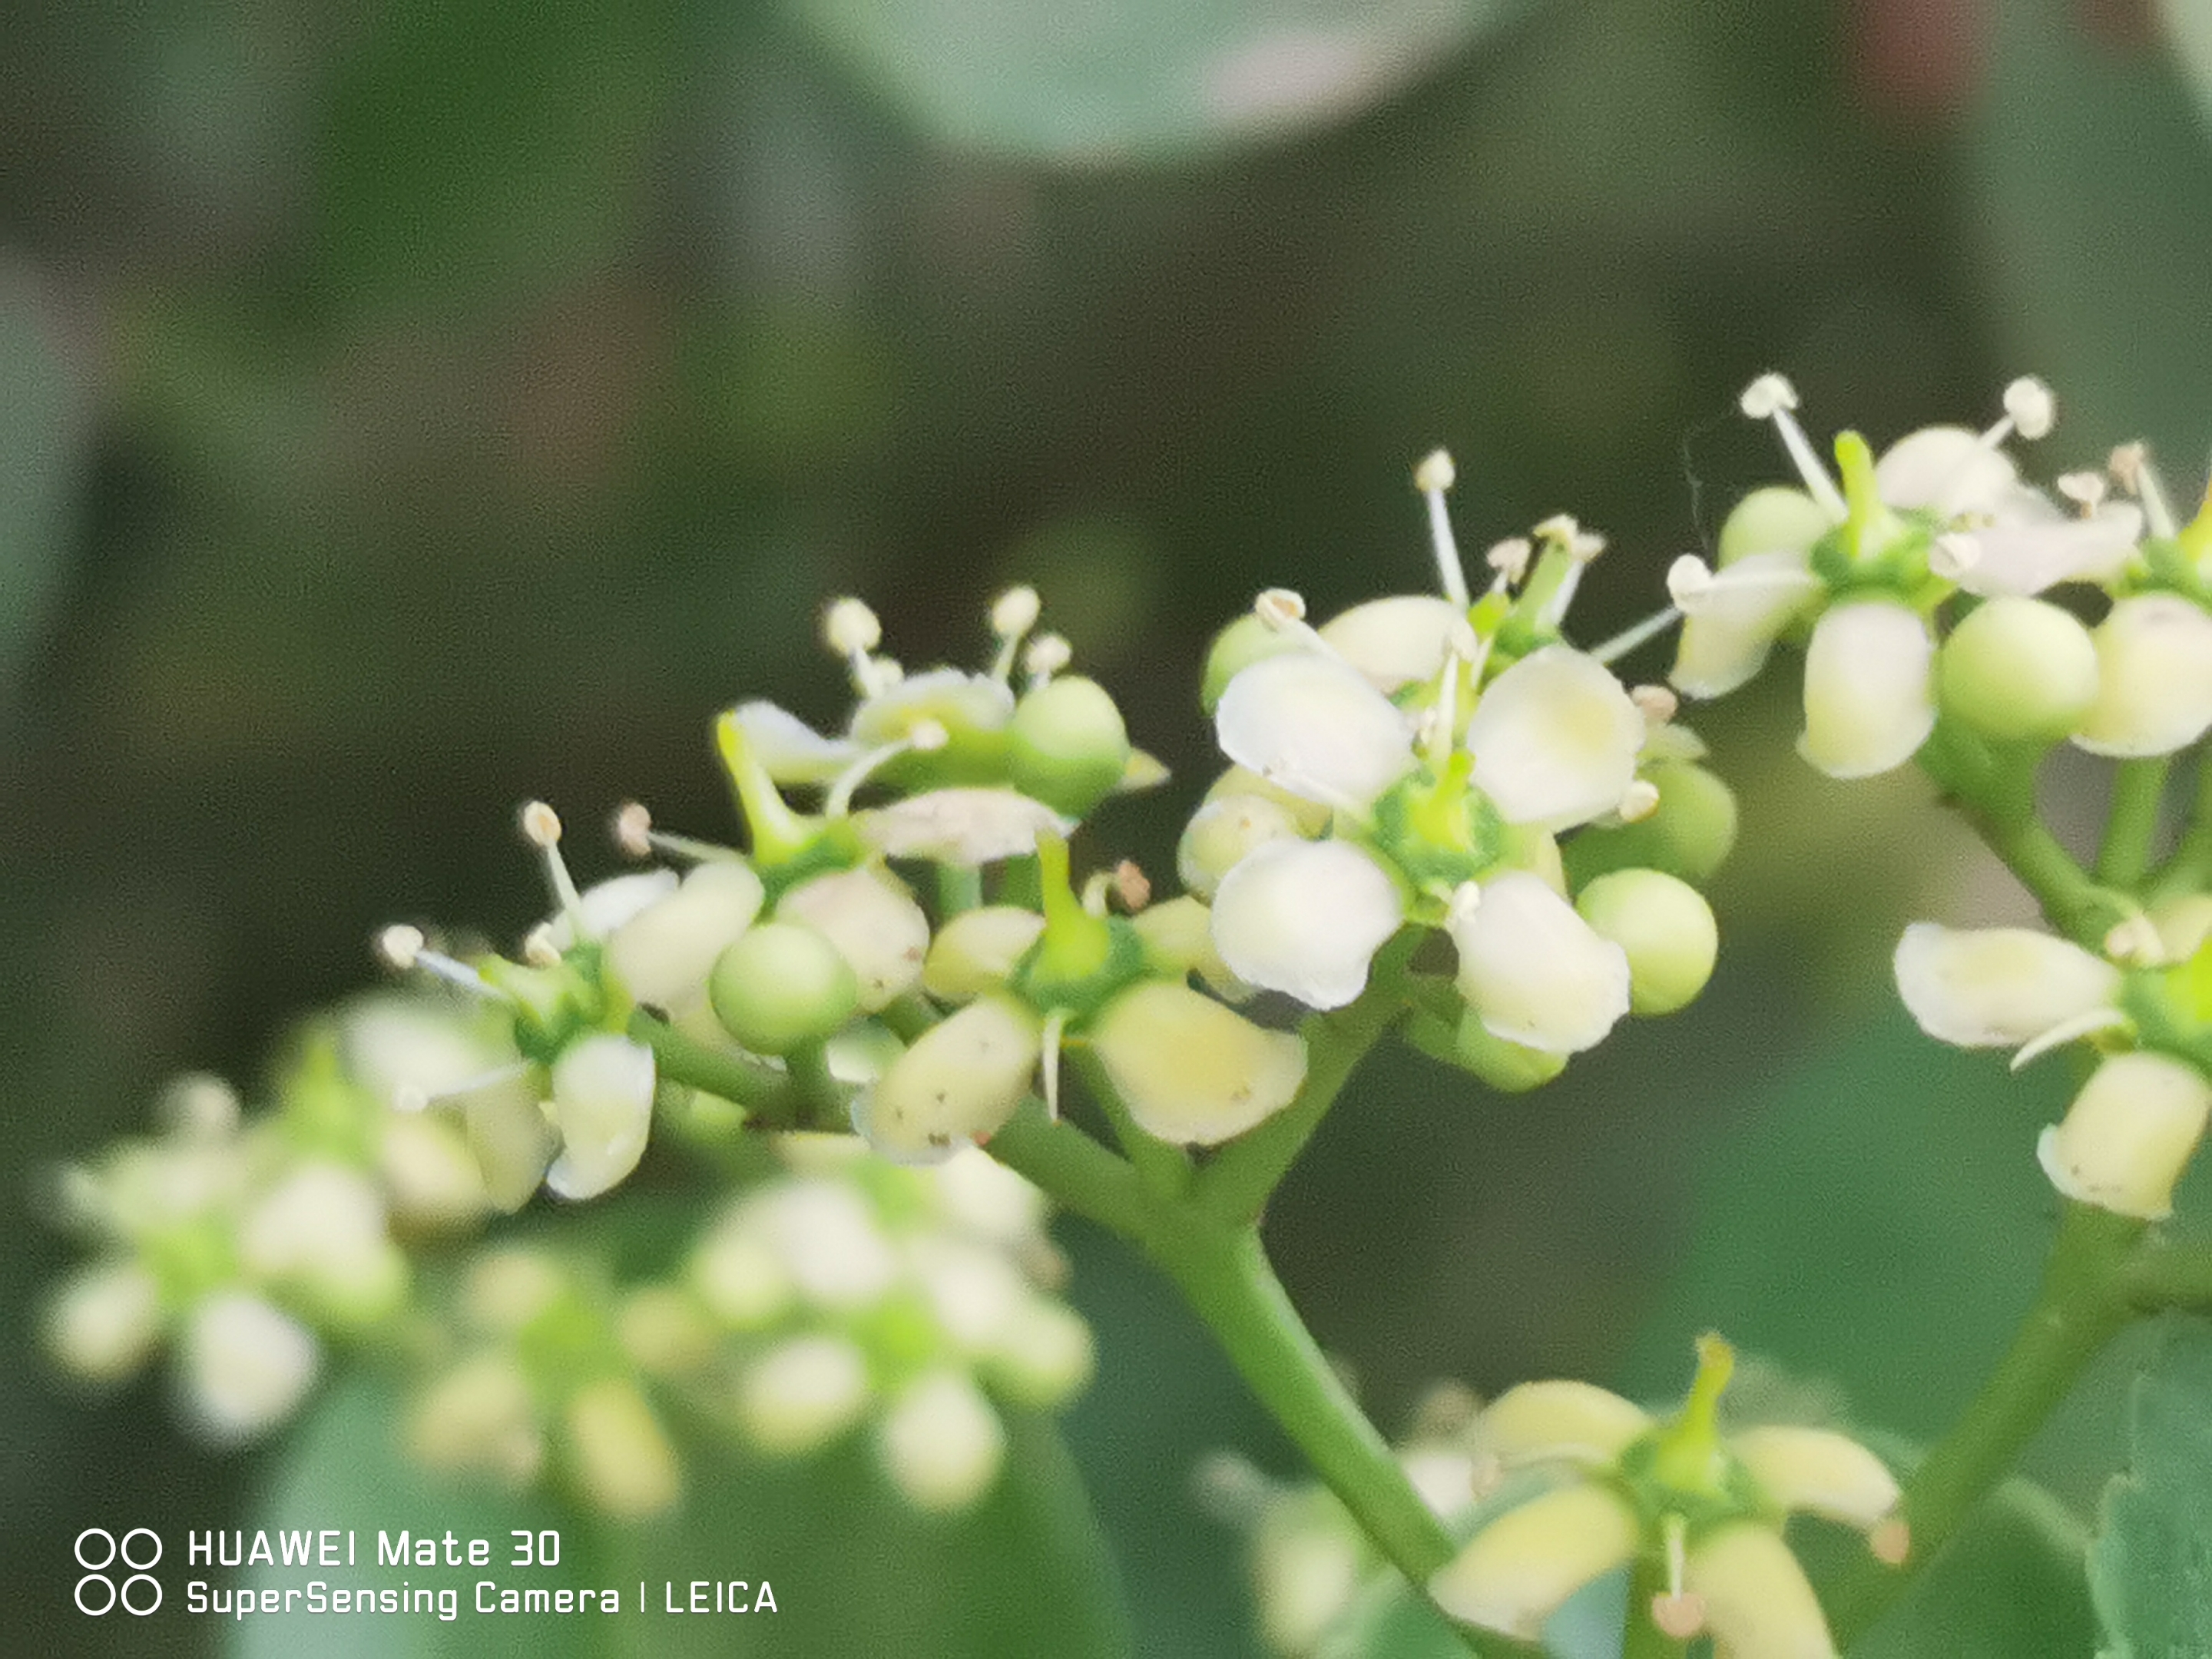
[941, 1443]
[1312, 725]
[2128, 1135]
[608, 904]
[1394, 642]
[1534, 971]
[603, 1103]
[1191, 1070]
[1728, 628]
[2026, 550]
[962, 826]
[959, 702]
[1944, 467]
[1306, 918]
[244, 1365]
[1993, 988]
[792, 751]
[1818, 1472]
[1560, 1421]
[1757, 1605]
[662, 955]
[2155, 677]
[1869, 700]
[873, 920]
[1555, 740]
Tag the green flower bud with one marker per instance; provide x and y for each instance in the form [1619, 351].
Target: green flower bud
[1178, 940]
[961, 1080]
[977, 950]
[1234, 648]
[621, 1459]
[781, 985]
[1773, 520]
[2019, 670]
[1191, 1070]
[872, 919]
[1068, 747]
[1689, 834]
[1665, 927]
[1511, 1068]
[1221, 832]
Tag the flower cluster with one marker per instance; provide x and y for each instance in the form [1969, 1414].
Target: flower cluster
[1413, 763]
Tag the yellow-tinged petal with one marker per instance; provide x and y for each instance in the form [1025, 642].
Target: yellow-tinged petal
[1190, 1070]
[1757, 1605]
[1819, 1471]
[1560, 1421]
[1514, 1574]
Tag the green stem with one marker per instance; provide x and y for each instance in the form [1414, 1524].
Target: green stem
[2167, 1274]
[1080, 1175]
[1223, 1272]
[765, 1092]
[2081, 1305]
[2131, 823]
[2186, 872]
[1165, 1169]
[1235, 1187]
[959, 887]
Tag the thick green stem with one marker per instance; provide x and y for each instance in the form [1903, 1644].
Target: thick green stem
[1235, 1187]
[2131, 823]
[2190, 867]
[762, 1089]
[1996, 793]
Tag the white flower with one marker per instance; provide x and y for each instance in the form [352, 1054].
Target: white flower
[1731, 619]
[1869, 689]
[941, 1443]
[1396, 642]
[1306, 918]
[1993, 988]
[244, 1366]
[2155, 677]
[1312, 724]
[2128, 1135]
[1555, 740]
[603, 1106]
[962, 826]
[1534, 971]
[1191, 1070]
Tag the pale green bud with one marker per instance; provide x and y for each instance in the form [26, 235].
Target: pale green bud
[874, 921]
[104, 1321]
[2155, 677]
[2019, 670]
[975, 952]
[802, 1394]
[1689, 834]
[1191, 1070]
[1178, 940]
[961, 1080]
[244, 1366]
[664, 1331]
[1236, 648]
[1067, 746]
[782, 984]
[1510, 1067]
[1045, 1354]
[1666, 929]
[1772, 520]
[623, 1461]
[941, 1443]
[739, 1276]
[662, 954]
[1222, 831]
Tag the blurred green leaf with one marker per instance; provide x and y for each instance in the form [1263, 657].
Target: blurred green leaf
[41, 426]
[1118, 80]
[2149, 1567]
[2092, 170]
[2189, 29]
[854, 1569]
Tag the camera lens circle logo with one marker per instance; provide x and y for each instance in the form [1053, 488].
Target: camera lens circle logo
[98, 1550]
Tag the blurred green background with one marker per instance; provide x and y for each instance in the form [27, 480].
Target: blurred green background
[408, 408]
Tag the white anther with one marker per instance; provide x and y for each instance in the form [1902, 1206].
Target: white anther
[1954, 553]
[632, 828]
[2086, 489]
[2135, 943]
[1638, 801]
[1585, 545]
[2126, 463]
[1048, 654]
[1766, 395]
[1015, 612]
[1435, 472]
[1132, 885]
[541, 824]
[1689, 578]
[1279, 608]
[1509, 558]
[1560, 527]
[2034, 410]
[538, 949]
[1891, 1541]
[1466, 900]
[400, 945]
[1659, 703]
[850, 628]
[1678, 1614]
[1434, 476]
[927, 736]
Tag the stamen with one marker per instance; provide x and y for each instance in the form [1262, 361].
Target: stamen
[1131, 886]
[2085, 490]
[1613, 650]
[538, 949]
[1439, 720]
[1771, 398]
[1048, 654]
[1012, 615]
[1678, 1612]
[2029, 408]
[1509, 559]
[1954, 554]
[1096, 886]
[2082, 1025]
[635, 834]
[2135, 943]
[1689, 578]
[1638, 801]
[1049, 1061]
[541, 827]
[2130, 464]
[1891, 1541]
[923, 737]
[852, 630]
[403, 948]
[409, 1098]
[1561, 530]
[1658, 704]
[1433, 478]
[1284, 610]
